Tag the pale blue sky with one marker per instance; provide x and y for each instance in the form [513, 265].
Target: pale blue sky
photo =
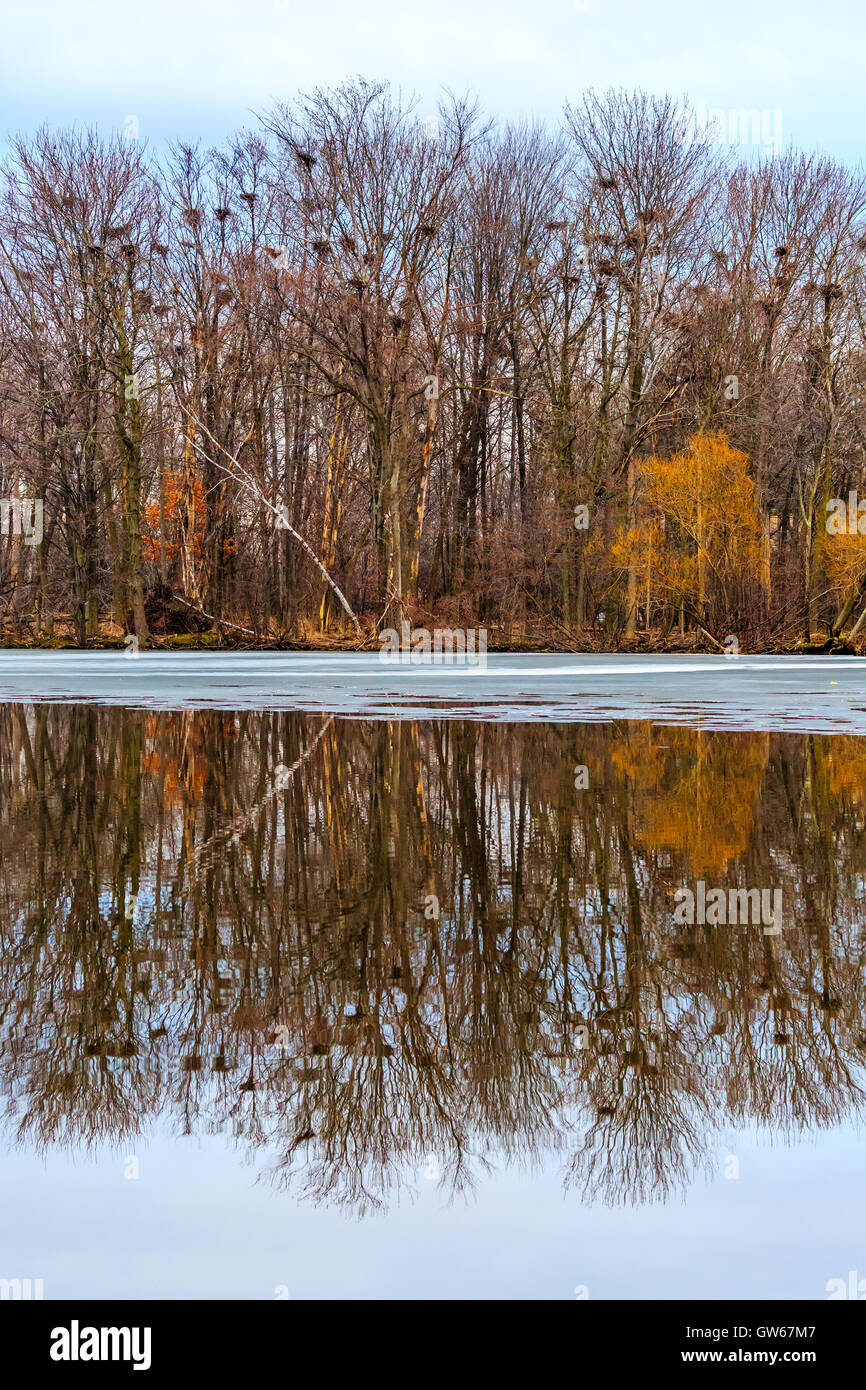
[199, 68]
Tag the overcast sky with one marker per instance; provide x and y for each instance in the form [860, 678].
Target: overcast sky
[200, 68]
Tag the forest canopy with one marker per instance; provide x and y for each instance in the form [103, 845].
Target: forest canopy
[354, 367]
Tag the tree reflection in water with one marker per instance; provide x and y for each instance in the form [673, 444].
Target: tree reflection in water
[357, 945]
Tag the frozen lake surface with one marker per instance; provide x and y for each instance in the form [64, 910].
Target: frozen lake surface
[819, 694]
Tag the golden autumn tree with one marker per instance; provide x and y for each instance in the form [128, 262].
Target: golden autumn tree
[165, 519]
[845, 560]
[697, 540]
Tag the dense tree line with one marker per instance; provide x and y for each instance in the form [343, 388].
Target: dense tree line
[476, 369]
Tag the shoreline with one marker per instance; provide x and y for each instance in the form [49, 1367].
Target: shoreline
[217, 642]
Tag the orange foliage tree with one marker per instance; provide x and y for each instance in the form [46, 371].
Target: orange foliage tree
[845, 559]
[163, 524]
[697, 541]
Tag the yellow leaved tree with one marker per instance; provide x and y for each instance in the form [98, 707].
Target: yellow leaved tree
[845, 560]
[697, 542]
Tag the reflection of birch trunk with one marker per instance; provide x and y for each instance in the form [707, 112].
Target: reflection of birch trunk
[207, 853]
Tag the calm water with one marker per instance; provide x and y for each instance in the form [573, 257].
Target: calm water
[312, 1005]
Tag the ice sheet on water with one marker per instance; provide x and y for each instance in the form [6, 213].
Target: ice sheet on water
[820, 694]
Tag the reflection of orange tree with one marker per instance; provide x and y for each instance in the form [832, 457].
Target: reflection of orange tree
[698, 796]
[697, 543]
[177, 756]
[845, 761]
